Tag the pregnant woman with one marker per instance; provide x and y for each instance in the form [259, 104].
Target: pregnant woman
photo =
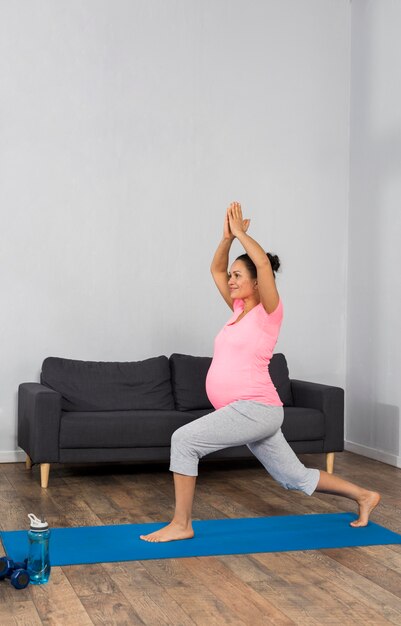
[248, 408]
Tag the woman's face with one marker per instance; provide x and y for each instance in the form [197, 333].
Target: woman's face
[240, 282]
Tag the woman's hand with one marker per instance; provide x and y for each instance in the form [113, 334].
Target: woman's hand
[235, 223]
[227, 231]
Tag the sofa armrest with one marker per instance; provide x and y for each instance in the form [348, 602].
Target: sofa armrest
[329, 400]
[39, 413]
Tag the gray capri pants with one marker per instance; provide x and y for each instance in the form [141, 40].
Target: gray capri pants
[243, 422]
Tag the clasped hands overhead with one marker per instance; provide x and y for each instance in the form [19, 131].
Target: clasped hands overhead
[234, 223]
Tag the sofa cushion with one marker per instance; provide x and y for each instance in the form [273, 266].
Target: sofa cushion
[279, 374]
[120, 429]
[188, 377]
[110, 386]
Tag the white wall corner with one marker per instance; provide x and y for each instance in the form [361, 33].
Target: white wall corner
[373, 453]
[12, 456]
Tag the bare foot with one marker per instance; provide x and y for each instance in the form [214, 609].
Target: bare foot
[172, 532]
[367, 503]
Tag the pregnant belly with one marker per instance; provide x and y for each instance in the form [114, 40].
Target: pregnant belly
[225, 387]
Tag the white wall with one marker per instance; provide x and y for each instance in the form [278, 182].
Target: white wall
[373, 388]
[128, 127]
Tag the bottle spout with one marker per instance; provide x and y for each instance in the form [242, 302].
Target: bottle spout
[36, 523]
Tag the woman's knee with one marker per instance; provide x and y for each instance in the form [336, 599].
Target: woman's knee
[184, 456]
[304, 479]
[182, 439]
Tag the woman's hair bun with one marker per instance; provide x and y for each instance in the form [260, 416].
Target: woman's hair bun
[274, 261]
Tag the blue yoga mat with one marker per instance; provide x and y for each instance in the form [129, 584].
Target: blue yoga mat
[105, 544]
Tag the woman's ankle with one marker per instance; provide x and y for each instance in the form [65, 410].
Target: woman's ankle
[182, 522]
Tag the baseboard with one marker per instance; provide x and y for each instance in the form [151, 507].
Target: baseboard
[12, 456]
[372, 453]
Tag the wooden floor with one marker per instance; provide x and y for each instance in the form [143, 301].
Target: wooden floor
[342, 586]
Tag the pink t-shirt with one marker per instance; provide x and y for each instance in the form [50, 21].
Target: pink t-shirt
[242, 352]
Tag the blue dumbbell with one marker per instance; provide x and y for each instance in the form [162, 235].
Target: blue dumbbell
[16, 572]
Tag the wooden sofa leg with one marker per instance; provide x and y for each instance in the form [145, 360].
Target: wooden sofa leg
[330, 462]
[28, 462]
[44, 474]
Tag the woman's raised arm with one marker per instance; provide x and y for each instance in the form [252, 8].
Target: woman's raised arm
[268, 293]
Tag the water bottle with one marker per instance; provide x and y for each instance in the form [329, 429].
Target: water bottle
[38, 558]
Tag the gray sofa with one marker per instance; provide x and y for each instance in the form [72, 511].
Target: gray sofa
[87, 411]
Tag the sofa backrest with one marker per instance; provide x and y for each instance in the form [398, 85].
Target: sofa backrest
[278, 370]
[188, 377]
[110, 386]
